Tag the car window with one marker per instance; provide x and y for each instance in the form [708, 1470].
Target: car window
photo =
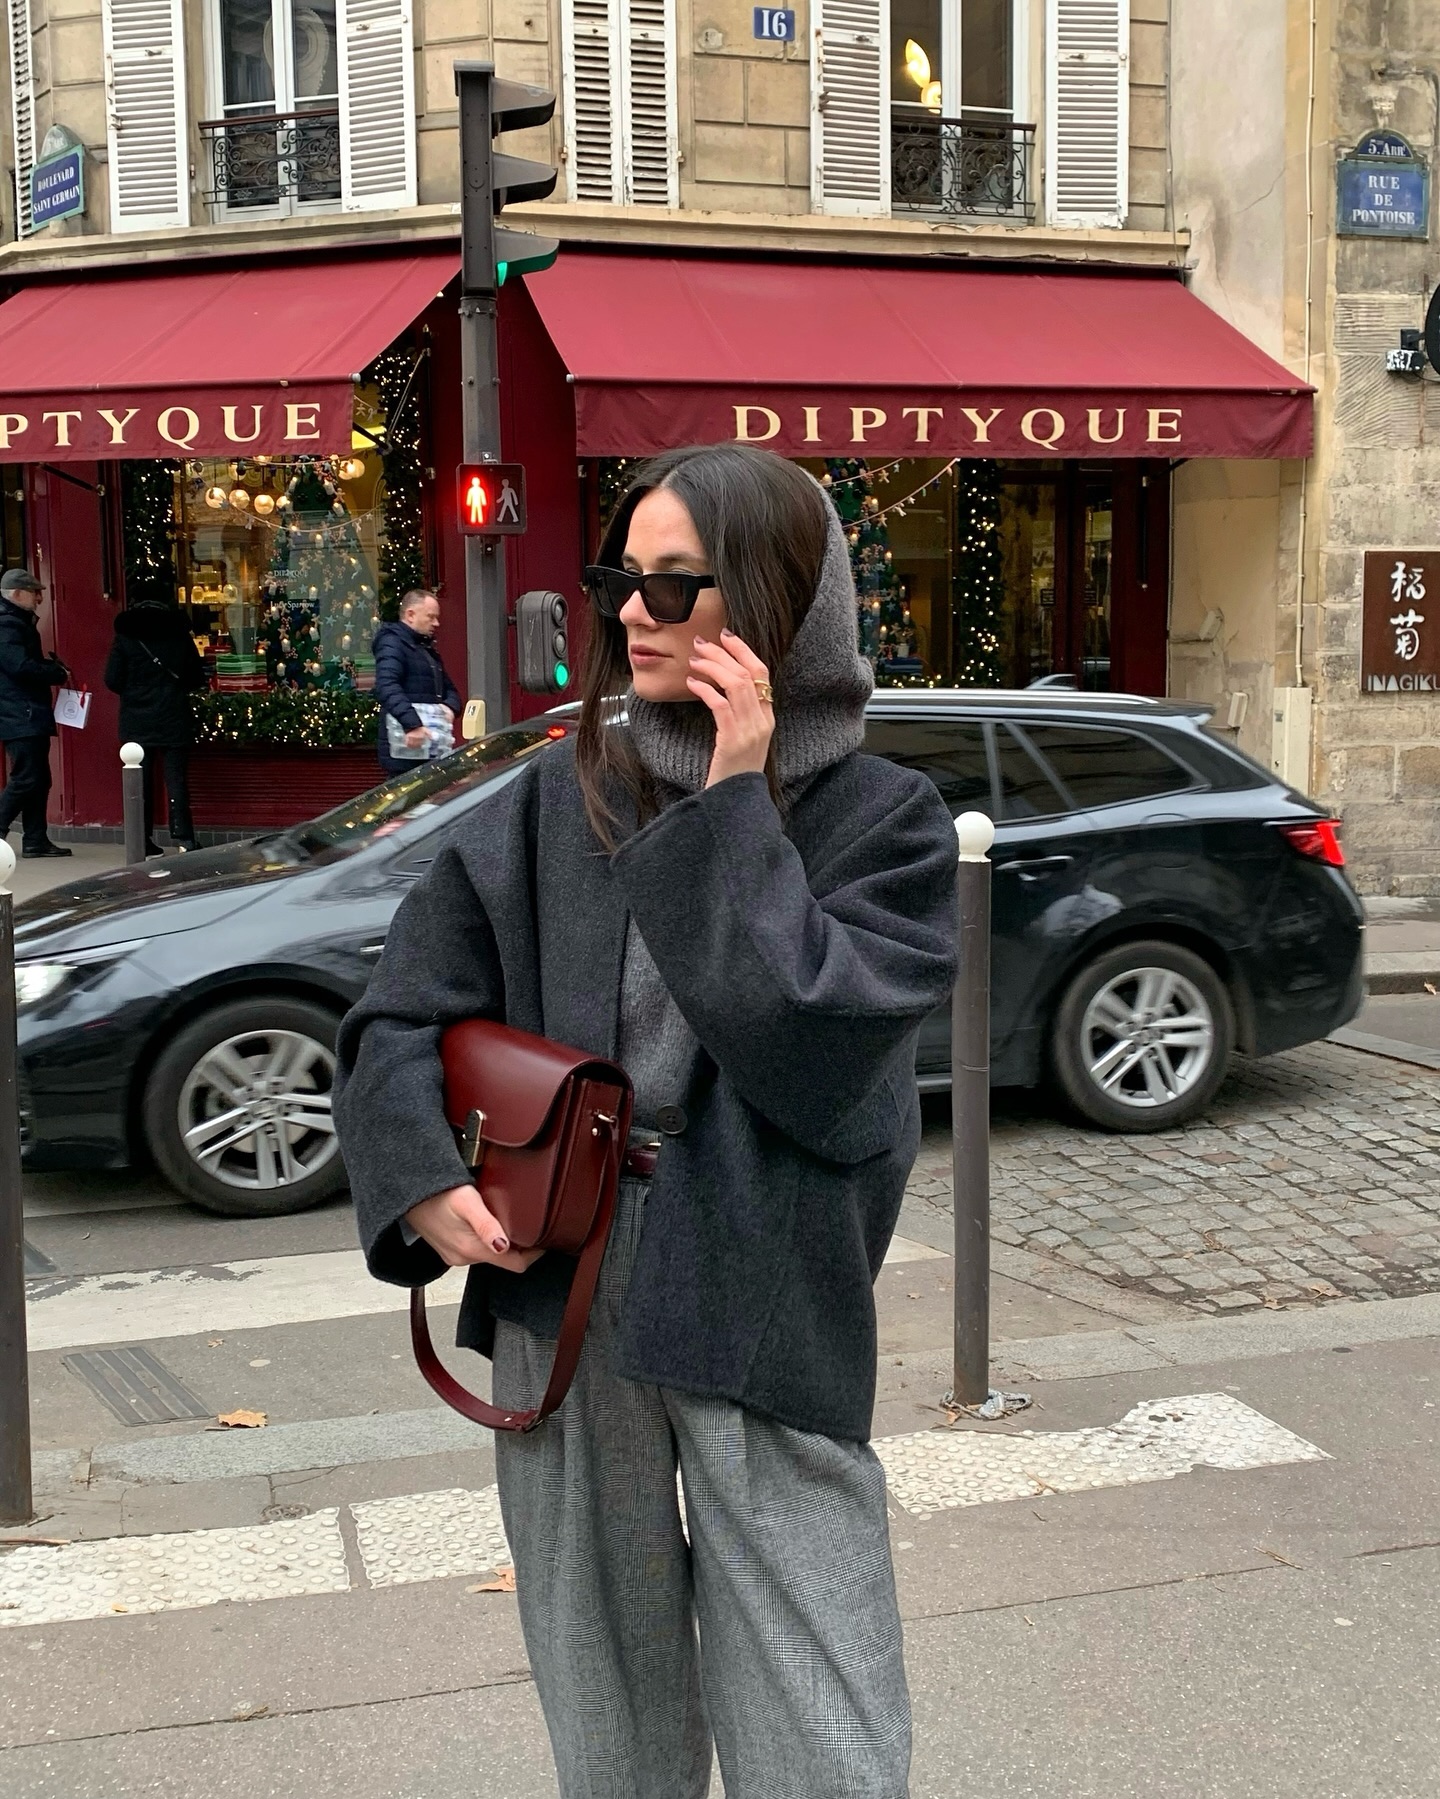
[1103, 767]
[426, 791]
[950, 751]
[1026, 791]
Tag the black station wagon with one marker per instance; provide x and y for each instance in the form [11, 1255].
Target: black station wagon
[1159, 901]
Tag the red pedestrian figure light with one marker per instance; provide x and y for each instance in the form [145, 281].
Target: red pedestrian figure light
[490, 498]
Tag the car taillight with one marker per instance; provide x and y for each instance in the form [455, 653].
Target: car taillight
[1319, 839]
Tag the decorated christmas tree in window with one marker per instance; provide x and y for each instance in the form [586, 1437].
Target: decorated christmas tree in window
[979, 574]
[886, 634]
[319, 599]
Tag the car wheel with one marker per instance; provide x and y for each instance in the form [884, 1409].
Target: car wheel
[237, 1109]
[1143, 1037]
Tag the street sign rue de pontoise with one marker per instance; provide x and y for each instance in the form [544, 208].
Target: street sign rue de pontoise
[1383, 189]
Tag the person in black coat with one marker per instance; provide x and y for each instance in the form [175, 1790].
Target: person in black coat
[155, 667]
[408, 668]
[28, 678]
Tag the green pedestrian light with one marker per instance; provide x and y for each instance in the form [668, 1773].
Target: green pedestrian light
[562, 675]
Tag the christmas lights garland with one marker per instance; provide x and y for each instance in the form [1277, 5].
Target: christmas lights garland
[315, 718]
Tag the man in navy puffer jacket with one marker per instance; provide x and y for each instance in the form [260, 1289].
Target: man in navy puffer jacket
[408, 668]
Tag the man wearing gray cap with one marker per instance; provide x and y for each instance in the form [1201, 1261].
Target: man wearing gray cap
[28, 678]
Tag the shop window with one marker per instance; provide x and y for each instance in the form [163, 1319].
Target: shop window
[285, 566]
[1026, 791]
[951, 752]
[315, 105]
[1105, 768]
[14, 545]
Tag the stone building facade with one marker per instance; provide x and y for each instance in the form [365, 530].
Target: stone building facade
[1227, 116]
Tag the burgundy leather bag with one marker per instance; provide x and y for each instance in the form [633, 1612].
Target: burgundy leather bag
[543, 1129]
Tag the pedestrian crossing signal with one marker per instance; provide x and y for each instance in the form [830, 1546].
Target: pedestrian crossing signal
[490, 499]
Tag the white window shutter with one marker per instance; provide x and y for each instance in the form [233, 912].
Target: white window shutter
[850, 107]
[649, 88]
[1087, 112]
[593, 61]
[22, 111]
[145, 114]
[377, 104]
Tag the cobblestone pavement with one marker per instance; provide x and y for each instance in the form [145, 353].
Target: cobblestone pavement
[1315, 1176]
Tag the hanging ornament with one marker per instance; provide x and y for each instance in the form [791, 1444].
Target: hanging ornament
[215, 498]
[239, 498]
[351, 469]
[284, 503]
[264, 503]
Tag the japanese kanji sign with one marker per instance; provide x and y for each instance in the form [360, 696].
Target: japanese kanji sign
[1400, 633]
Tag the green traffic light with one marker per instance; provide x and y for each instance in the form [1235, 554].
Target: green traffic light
[502, 269]
[562, 675]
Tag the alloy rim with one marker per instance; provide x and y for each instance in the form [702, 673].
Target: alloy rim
[1147, 1037]
[255, 1109]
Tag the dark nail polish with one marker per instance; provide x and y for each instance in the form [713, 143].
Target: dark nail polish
[500, 1245]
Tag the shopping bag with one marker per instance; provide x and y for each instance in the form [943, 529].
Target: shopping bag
[72, 707]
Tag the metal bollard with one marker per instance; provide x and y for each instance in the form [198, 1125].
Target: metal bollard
[970, 1113]
[132, 794]
[16, 1493]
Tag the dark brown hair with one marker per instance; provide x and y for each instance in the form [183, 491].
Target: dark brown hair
[763, 523]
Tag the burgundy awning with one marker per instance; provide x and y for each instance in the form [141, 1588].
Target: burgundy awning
[826, 359]
[202, 362]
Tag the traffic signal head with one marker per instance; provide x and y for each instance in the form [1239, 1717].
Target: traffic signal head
[490, 499]
[492, 179]
[542, 632]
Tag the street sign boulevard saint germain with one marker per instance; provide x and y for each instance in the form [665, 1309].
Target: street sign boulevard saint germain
[1400, 624]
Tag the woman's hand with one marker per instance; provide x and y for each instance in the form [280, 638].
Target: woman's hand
[462, 1230]
[723, 677]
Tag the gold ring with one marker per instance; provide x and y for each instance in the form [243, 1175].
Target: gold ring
[766, 693]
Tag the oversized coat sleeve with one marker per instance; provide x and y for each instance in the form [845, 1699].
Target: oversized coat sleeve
[440, 964]
[807, 1000]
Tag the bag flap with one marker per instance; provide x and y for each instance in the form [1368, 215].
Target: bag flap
[511, 1076]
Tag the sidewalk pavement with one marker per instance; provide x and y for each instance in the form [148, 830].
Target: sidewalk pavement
[1202, 1564]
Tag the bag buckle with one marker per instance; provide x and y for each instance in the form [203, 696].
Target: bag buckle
[472, 1147]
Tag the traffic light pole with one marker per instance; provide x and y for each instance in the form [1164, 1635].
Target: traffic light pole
[487, 633]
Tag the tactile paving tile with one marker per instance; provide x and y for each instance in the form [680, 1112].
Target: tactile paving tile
[936, 1470]
[172, 1572]
[138, 1388]
[430, 1536]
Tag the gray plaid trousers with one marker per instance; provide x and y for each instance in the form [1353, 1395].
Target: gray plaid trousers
[774, 1629]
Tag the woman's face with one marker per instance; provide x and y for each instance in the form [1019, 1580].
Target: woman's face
[663, 536]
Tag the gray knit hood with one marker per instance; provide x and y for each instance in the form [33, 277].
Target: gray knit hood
[820, 694]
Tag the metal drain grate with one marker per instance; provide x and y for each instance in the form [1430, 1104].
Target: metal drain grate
[36, 1260]
[137, 1388]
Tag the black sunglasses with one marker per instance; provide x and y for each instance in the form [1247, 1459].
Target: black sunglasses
[669, 596]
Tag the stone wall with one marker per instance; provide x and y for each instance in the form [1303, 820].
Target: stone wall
[1377, 757]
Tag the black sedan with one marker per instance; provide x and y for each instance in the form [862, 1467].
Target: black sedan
[1159, 901]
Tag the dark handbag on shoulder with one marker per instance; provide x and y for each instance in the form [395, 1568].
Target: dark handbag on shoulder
[543, 1130]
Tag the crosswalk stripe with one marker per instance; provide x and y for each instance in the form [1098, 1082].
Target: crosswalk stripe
[74, 1311]
[457, 1533]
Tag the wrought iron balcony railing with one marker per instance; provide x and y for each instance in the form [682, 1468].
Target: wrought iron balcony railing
[960, 167]
[264, 159]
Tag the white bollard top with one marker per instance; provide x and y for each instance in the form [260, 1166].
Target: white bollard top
[7, 865]
[975, 833]
[131, 754]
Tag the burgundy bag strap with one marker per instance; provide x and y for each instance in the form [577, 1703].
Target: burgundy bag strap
[572, 1326]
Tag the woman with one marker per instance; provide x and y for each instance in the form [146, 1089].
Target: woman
[155, 667]
[754, 918]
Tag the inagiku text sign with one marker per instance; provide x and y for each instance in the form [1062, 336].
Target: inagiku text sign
[1400, 629]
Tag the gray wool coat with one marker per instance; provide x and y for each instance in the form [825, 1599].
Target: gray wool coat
[803, 955]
